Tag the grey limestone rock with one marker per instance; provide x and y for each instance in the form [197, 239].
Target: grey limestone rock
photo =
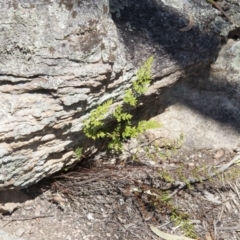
[62, 58]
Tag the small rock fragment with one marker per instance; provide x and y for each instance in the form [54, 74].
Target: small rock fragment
[38, 210]
[219, 154]
[90, 216]
[20, 232]
[58, 199]
[9, 207]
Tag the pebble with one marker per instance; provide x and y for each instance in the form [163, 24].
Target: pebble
[237, 149]
[90, 216]
[219, 154]
[20, 232]
[152, 163]
[191, 164]
[38, 210]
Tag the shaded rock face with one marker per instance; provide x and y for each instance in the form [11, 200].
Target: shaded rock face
[203, 104]
[62, 58]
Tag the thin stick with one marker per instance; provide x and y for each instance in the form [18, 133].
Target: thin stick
[181, 185]
[23, 218]
[218, 6]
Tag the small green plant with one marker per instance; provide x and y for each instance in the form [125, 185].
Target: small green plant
[175, 144]
[166, 176]
[93, 126]
[78, 152]
[230, 175]
[164, 204]
[181, 219]
[117, 126]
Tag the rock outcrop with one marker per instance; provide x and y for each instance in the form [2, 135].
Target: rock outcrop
[205, 107]
[62, 58]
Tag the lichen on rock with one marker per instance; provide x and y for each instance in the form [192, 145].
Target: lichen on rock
[117, 5]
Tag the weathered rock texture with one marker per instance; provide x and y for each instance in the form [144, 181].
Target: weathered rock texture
[6, 236]
[61, 58]
[205, 108]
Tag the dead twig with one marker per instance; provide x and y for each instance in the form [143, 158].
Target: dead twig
[87, 180]
[23, 218]
[180, 185]
[190, 23]
[219, 7]
[229, 228]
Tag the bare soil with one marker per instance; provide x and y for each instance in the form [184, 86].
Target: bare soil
[106, 199]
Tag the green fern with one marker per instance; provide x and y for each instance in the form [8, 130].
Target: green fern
[93, 125]
[120, 115]
[96, 127]
[129, 98]
[78, 153]
[145, 125]
[143, 80]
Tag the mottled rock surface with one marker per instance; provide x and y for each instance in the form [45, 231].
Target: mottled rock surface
[206, 107]
[6, 236]
[62, 58]
[203, 104]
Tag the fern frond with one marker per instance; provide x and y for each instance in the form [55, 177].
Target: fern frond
[95, 126]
